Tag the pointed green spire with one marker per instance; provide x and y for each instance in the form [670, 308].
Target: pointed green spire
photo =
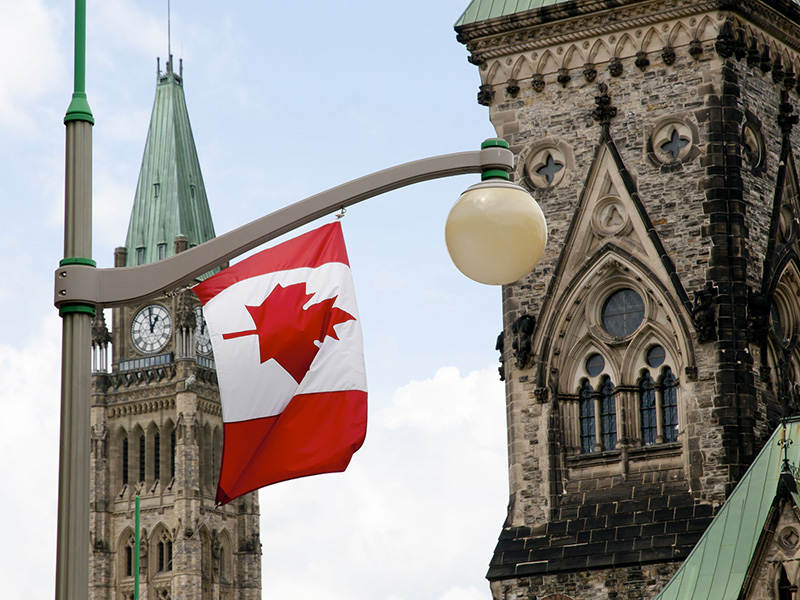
[170, 196]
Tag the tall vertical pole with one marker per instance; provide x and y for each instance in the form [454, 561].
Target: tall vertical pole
[72, 551]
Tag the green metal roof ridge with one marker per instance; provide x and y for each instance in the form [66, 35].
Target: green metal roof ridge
[170, 195]
[483, 10]
[716, 568]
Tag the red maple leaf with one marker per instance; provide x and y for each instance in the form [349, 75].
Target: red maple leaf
[287, 332]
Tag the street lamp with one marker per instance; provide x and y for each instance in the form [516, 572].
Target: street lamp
[495, 234]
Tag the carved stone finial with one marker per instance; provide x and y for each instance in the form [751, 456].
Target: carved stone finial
[704, 314]
[100, 334]
[485, 95]
[603, 112]
[522, 329]
[184, 316]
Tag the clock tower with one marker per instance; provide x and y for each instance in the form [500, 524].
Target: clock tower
[156, 416]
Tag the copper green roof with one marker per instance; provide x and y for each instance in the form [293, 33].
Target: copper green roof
[170, 196]
[482, 10]
[716, 567]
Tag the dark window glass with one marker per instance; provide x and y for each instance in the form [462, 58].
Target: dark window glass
[595, 365]
[647, 406]
[669, 405]
[168, 566]
[655, 356]
[608, 414]
[128, 561]
[125, 461]
[172, 454]
[586, 405]
[777, 325]
[161, 556]
[141, 458]
[157, 457]
[623, 313]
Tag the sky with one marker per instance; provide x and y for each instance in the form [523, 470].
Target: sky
[286, 100]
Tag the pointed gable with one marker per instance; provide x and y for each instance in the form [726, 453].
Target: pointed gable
[170, 195]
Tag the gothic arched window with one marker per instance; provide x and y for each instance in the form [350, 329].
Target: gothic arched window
[608, 414]
[669, 405]
[586, 402]
[647, 407]
[164, 552]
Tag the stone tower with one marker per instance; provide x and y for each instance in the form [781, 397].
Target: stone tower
[156, 417]
[655, 347]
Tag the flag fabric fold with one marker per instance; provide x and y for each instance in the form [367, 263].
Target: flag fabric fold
[290, 362]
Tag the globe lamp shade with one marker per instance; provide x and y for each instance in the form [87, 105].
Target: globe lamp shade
[495, 232]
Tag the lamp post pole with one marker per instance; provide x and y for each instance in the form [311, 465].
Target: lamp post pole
[72, 552]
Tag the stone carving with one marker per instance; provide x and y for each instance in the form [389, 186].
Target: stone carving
[753, 54]
[641, 62]
[499, 346]
[725, 44]
[563, 77]
[589, 72]
[603, 112]
[100, 335]
[537, 81]
[668, 55]
[695, 48]
[704, 314]
[786, 120]
[777, 70]
[615, 67]
[522, 329]
[765, 63]
[512, 89]
[485, 95]
[184, 315]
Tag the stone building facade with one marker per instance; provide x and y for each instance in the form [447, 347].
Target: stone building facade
[654, 349]
[156, 416]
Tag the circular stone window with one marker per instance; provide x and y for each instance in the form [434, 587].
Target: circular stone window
[595, 365]
[655, 356]
[622, 313]
[788, 538]
[752, 145]
[546, 168]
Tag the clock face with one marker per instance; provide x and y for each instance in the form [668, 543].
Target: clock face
[201, 336]
[151, 328]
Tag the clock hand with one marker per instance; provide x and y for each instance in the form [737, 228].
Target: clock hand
[150, 318]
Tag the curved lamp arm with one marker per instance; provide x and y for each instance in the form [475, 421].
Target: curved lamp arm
[85, 285]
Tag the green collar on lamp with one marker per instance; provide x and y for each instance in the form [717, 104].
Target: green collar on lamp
[496, 232]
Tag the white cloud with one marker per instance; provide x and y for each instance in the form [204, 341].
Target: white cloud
[29, 434]
[419, 508]
[34, 67]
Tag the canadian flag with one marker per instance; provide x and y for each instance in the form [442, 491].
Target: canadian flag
[290, 362]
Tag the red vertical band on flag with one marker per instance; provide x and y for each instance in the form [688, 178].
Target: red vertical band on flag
[316, 433]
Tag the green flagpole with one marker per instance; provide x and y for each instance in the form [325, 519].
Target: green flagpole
[136, 543]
